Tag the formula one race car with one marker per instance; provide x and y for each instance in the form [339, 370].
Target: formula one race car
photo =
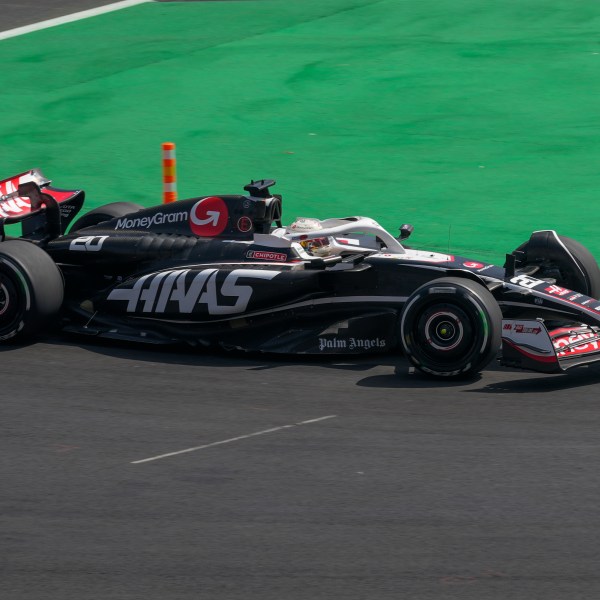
[224, 271]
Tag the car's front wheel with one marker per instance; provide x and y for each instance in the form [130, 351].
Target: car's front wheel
[451, 327]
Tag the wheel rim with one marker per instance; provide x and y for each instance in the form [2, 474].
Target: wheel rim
[443, 331]
[10, 310]
[4, 299]
[444, 335]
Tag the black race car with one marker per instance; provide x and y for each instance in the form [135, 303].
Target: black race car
[223, 271]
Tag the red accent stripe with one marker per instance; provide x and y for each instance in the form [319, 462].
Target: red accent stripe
[543, 359]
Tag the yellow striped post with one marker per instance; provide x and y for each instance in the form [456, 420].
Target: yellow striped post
[169, 173]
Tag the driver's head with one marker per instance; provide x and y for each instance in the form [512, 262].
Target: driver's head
[304, 224]
[316, 247]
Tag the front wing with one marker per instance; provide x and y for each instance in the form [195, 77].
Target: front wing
[529, 344]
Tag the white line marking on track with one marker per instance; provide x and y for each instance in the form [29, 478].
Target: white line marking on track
[84, 14]
[230, 440]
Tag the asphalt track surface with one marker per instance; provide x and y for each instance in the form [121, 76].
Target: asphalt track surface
[301, 479]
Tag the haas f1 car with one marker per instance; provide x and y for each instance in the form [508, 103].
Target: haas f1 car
[223, 271]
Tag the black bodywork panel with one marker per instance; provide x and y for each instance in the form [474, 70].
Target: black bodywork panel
[219, 270]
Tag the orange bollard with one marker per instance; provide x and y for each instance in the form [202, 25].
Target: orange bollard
[169, 174]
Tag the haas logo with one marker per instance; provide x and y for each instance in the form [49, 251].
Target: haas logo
[183, 290]
[209, 217]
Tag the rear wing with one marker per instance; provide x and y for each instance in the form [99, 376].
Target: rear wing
[43, 211]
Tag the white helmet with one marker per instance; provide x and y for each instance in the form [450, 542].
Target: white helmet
[303, 224]
[317, 246]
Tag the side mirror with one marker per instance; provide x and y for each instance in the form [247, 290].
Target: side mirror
[405, 231]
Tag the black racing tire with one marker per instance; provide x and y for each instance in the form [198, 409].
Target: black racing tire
[31, 290]
[451, 327]
[114, 210]
[585, 279]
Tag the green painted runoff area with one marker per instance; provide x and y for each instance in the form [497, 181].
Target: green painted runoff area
[478, 122]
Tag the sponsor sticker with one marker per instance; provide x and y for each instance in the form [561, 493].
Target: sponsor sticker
[520, 328]
[159, 218]
[266, 255]
[473, 265]
[185, 290]
[209, 217]
[244, 224]
[556, 290]
[583, 348]
[350, 343]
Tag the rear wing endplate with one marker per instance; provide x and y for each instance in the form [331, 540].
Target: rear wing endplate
[44, 211]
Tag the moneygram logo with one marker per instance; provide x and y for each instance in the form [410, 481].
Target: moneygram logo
[159, 218]
[209, 217]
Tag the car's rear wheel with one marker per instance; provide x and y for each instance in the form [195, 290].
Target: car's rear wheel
[114, 210]
[31, 290]
[563, 259]
[451, 327]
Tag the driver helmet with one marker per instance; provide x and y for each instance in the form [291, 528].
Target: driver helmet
[317, 246]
